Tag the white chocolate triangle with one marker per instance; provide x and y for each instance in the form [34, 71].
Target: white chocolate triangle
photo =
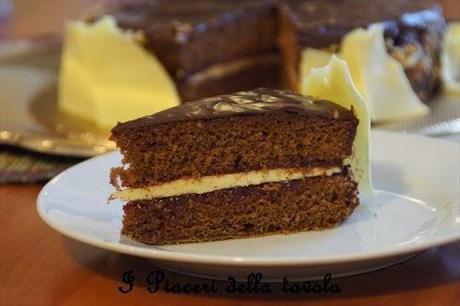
[107, 76]
[333, 82]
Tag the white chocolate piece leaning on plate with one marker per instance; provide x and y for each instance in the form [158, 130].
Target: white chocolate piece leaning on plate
[106, 76]
[450, 59]
[379, 78]
[333, 82]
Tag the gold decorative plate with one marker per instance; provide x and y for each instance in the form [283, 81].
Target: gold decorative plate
[28, 101]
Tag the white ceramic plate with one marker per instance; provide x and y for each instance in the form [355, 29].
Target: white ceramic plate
[416, 206]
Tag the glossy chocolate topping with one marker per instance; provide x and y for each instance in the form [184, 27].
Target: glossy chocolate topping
[182, 18]
[260, 101]
[321, 23]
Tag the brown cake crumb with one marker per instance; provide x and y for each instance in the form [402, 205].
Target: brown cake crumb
[308, 204]
[227, 145]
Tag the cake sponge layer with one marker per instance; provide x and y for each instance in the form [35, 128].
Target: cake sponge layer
[196, 148]
[283, 207]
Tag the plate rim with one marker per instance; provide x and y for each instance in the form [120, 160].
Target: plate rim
[223, 260]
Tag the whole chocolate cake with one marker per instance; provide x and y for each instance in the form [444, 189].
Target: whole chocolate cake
[245, 164]
[212, 47]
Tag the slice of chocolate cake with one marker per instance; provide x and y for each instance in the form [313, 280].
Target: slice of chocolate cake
[246, 164]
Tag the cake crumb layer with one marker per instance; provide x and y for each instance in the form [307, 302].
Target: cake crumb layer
[240, 132]
[283, 207]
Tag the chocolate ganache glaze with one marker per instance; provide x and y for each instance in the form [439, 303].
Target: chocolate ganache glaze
[321, 23]
[260, 101]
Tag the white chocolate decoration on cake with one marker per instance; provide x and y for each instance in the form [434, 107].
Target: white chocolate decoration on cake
[450, 59]
[211, 183]
[106, 75]
[379, 78]
[334, 83]
[313, 58]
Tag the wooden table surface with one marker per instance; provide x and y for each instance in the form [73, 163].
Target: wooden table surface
[41, 267]
[38, 266]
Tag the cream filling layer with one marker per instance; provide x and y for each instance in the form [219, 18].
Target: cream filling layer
[211, 183]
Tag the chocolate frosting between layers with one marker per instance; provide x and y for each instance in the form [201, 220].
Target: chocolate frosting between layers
[260, 101]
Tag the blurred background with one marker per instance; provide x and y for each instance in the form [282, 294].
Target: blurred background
[41, 20]
[20, 18]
